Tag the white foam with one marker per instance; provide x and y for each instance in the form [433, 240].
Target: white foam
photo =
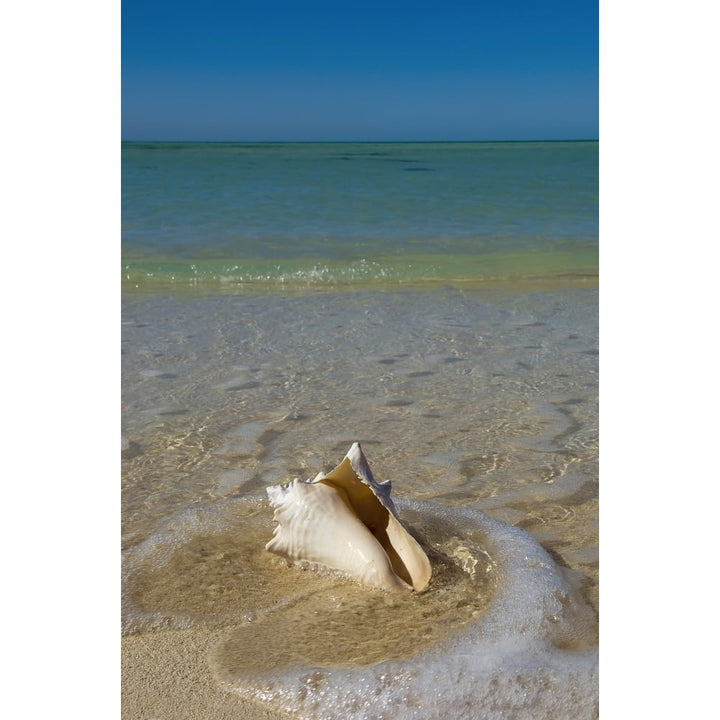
[531, 655]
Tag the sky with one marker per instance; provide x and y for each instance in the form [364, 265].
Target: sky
[366, 70]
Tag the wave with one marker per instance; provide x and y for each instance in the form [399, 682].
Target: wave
[559, 267]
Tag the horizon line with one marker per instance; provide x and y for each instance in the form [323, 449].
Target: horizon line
[240, 140]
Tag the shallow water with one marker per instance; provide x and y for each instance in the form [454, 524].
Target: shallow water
[480, 406]
[436, 302]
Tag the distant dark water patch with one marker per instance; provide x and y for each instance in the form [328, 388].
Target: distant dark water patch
[132, 450]
[244, 386]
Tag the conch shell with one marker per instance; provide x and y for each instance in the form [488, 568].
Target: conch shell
[346, 521]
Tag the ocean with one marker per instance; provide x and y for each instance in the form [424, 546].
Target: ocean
[436, 302]
[227, 215]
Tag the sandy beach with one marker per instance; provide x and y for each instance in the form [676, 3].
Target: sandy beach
[166, 676]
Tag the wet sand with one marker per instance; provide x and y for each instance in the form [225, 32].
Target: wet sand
[166, 676]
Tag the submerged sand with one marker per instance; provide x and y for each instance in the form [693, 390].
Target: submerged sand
[486, 402]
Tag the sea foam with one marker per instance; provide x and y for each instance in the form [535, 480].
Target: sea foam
[532, 652]
[503, 630]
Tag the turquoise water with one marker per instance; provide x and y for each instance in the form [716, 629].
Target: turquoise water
[342, 213]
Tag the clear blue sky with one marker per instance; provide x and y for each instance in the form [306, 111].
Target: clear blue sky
[361, 70]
